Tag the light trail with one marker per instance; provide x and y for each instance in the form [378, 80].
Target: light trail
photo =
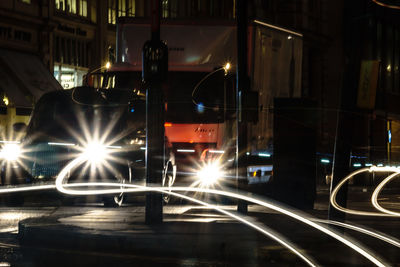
[380, 236]
[126, 188]
[16, 189]
[136, 188]
[348, 177]
[262, 229]
[375, 194]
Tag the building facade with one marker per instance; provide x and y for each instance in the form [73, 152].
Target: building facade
[73, 37]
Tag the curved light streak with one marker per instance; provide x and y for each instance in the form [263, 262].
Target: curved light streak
[348, 177]
[16, 189]
[385, 5]
[359, 229]
[136, 188]
[375, 194]
[128, 188]
[263, 229]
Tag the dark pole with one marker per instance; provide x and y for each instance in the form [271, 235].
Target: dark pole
[345, 120]
[242, 84]
[155, 67]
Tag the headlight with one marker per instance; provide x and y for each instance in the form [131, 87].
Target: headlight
[210, 174]
[95, 152]
[11, 152]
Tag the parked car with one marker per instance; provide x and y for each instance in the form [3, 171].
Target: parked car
[66, 123]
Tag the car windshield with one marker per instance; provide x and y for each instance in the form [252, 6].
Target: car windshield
[63, 116]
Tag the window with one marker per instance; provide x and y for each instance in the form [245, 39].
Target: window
[112, 11]
[169, 8]
[83, 8]
[93, 12]
[120, 8]
[71, 51]
[72, 4]
[131, 8]
[26, 1]
[79, 7]
[66, 5]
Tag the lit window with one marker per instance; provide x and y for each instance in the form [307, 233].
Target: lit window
[66, 5]
[121, 8]
[112, 11]
[83, 8]
[72, 6]
[26, 1]
[59, 4]
[131, 11]
[169, 8]
[165, 8]
[93, 12]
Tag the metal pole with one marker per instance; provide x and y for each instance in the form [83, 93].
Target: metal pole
[154, 55]
[241, 88]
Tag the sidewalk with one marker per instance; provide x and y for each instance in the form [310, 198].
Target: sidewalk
[186, 232]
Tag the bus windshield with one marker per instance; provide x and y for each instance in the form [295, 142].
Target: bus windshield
[191, 97]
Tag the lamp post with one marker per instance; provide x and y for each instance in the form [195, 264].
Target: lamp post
[155, 68]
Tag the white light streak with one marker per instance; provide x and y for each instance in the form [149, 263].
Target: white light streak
[114, 147]
[186, 150]
[263, 229]
[9, 142]
[374, 234]
[217, 151]
[60, 144]
[125, 188]
[341, 183]
[375, 194]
